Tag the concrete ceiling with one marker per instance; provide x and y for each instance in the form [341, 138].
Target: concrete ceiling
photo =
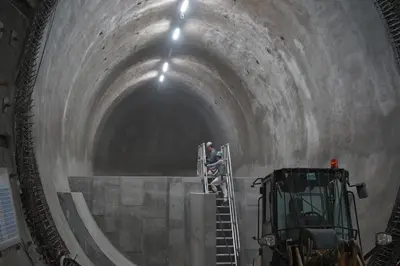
[287, 83]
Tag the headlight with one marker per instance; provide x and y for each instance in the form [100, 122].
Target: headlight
[268, 240]
[383, 239]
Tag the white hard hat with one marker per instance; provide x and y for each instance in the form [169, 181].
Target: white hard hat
[209, 144]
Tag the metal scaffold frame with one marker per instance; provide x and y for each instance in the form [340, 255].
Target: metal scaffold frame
[232, 202]
[230, 184]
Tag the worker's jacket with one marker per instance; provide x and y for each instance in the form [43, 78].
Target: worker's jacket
[212, 156]
[218, 168]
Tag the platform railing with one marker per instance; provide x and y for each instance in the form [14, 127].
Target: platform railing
[232, 202]
[201, 168]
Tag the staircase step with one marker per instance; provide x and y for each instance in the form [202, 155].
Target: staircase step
[222, 209]
[221, 241]
[224, 217]
[225, 249]
[226, 258]
[224, 232]
[222, 202]
[226, 263]
[224, 225]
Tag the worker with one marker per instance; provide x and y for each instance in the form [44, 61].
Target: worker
[211, 153]
[219, 173]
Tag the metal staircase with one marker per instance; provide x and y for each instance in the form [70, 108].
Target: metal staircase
[227, 235]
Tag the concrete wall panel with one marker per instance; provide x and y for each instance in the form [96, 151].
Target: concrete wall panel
[143, 217]
[202, 229]
[160, 203]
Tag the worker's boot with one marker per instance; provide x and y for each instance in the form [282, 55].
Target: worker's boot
[225, 201]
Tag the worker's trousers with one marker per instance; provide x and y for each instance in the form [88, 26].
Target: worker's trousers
[220, 181]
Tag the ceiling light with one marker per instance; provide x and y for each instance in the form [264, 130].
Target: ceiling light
[165, 67]
[161, 79]
[175, 35]
[184, 6]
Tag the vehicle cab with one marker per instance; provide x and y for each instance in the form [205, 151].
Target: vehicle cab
[298, 202]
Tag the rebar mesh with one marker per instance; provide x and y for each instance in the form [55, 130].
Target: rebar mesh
[37, 213]
[390, 12]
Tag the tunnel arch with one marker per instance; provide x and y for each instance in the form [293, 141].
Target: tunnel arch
[311, 81]
[142, 126]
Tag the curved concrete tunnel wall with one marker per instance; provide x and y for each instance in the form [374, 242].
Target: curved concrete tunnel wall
[291, 83]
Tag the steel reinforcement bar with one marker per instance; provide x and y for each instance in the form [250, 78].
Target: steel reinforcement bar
[390, 12]
[37, 213]
[390, 255]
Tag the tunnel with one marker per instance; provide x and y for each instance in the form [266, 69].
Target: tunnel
[285, 83]
[153, 132]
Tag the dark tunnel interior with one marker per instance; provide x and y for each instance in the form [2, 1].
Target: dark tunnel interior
[152, 131]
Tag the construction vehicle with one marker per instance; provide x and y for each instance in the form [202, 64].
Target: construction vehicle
[308, 216]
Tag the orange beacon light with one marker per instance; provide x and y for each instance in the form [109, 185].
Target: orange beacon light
[334, 164]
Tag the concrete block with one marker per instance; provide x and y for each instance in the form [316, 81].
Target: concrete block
[137, 258]
[80, 184]
[158, 258]
[177, 247]
[155, 241]
[111, 223]
[105, 195]
[131, 233]
[176, 204]
[202, 229]
[155, 198]
[98, 203]
[155, 234]
[193, 187]
[112, 192]
[132, 191]
[209, 211]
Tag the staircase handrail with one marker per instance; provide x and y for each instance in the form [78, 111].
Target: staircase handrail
[232, 202]
[201, 168]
